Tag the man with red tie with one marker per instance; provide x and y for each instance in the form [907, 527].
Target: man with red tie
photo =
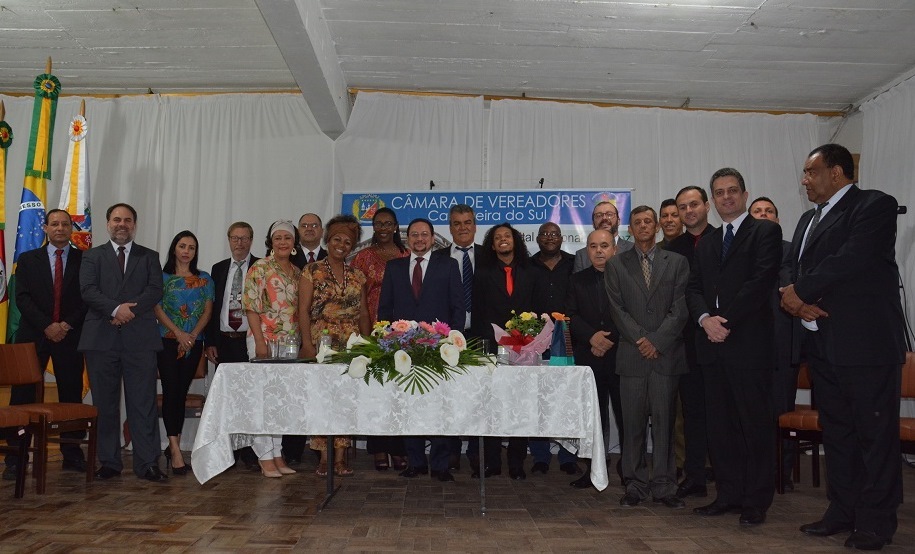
[48, 297]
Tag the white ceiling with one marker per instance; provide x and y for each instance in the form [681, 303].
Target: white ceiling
[794, 55]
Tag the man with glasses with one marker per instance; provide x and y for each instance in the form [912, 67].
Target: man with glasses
[604, 216]
[225, 337]
[423, 287]
[557, 270]
[309, 249]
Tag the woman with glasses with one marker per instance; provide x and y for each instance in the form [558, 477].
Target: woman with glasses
[386, 245]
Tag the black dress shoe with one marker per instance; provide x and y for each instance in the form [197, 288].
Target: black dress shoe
[540, 467]
[293, 460]
[106, 473]
[630, 499]
[688, 487]
[9, 474]
[454, 462]
[414, 472]
[445, 476]
[571, 468]
[154, 474]
[583, 482]
[671, 501]
[74, 465]
[824, 528]
[752, 516]
[866, 540]
[717, 508]
[517, 474]
[487, 472]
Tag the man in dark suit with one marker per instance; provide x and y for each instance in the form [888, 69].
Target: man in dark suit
[693, 207]
[226, 331]
[309, 250]
[423, 288]
[604, 216]
[594, 335]
[729, 295]
[784, 384]
[47, 295]
[121, 283]
[463, 227]
[646, 286]
[845, 291]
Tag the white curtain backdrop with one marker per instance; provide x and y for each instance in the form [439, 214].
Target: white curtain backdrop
[195, 163]
[401, 142]
[654, 151]
[888, 164]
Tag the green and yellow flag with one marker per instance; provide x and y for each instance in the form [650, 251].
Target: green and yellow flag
[29, 233]
[6, 139]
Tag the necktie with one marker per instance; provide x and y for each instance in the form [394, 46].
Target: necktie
[646, 270]
[815, 221]
[58, 282]
[417, 278]
[509, 281]
[121, 258]
[311, 257]
[235, 298]
[726, 243]
[467, 276]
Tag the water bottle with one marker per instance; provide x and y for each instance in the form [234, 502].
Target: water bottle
[325, 341]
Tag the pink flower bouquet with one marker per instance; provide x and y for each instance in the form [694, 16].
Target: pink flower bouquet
[526, 336]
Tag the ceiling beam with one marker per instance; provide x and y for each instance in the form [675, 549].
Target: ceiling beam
[302, 35]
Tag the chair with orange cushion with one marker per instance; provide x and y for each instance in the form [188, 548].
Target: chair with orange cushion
[802, 424]
[16, 422]
[19, 366]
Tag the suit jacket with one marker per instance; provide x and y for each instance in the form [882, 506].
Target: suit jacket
[848, 268]
[737, 288]
[104, 288]
[581, 255]
[685, 245]
[220, 275]
[35, 294]
[657, 312]
[492, 303]
[588, 309]
[300, 259]
[441, 296]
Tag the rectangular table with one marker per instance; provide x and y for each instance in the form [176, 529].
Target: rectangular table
[313, 399]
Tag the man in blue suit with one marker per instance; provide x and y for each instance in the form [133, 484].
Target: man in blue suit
[423, 288]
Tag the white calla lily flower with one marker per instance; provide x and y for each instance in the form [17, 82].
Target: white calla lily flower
[403, 363]
[450, 353]
[456, 338]
[358, 367]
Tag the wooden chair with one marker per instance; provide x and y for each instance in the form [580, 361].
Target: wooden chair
[16, 422]
[19, 366]
[907, 424]
[802, 424]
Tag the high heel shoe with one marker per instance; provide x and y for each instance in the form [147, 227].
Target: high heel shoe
[266, 471]
[183, 470]
[283, 469]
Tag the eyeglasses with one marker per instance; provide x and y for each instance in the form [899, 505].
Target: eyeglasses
[235, 240]
[420, 234]
[383, 224]
[550, 235]
[309, 225]
[603, 215]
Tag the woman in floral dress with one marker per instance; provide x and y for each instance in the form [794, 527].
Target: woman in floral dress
[332, 300]
[271, 303]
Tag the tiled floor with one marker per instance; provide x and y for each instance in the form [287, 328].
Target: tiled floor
[379, 511]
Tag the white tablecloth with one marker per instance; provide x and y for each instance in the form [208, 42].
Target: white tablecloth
[314, 399]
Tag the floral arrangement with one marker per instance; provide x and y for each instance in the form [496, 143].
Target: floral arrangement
[415, 355]
[527, 335]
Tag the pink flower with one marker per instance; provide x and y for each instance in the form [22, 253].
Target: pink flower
[401, 326]
[441, 328]
[427, 327]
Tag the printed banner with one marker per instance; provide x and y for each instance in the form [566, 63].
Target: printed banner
[525, 210]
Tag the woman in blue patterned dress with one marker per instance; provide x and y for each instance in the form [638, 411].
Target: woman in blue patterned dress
[183, 314]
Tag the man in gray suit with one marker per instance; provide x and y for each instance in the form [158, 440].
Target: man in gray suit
[121, 282]
[604, 216]
[647, 287]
